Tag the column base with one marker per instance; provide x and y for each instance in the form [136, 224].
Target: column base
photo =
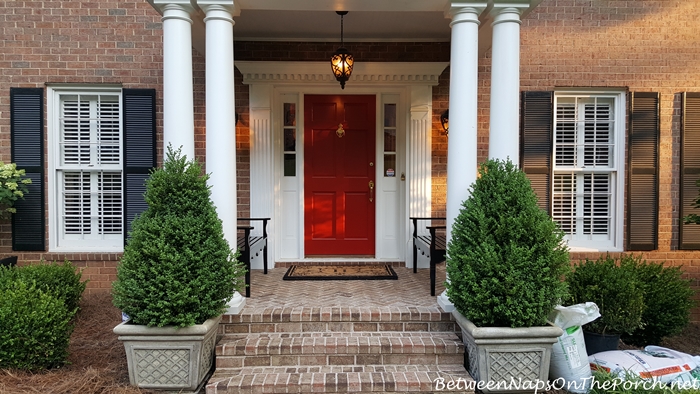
[445, 302]
[235, 304]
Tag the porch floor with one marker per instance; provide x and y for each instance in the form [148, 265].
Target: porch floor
[409, 290]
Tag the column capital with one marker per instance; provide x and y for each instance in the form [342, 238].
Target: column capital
[512, 8]
[173, 5]
[465, 11]
[420, 112]
[211, 6]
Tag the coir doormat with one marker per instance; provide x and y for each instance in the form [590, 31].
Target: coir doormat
[339, 272]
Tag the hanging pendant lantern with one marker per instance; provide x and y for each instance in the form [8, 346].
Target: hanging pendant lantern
[342, 60]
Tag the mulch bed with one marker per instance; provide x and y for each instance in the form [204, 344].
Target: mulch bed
[687, 342]
[97, 363]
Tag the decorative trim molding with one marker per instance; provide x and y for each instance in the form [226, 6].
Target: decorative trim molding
[366, 73]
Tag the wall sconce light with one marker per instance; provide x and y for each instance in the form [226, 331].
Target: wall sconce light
[342, 60]
[445, 121]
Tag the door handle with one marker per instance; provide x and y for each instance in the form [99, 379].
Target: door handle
[371, 191]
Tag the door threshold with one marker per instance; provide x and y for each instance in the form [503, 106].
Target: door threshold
[339, 256]
[339, 261]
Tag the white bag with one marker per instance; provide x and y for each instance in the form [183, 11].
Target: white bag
[569, 358]
[654, 363]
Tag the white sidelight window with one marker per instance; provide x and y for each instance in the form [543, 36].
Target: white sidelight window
[86, 181]
[587, 176]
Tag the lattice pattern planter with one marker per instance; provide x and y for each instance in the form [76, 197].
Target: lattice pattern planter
[507, 360]
[169, 358]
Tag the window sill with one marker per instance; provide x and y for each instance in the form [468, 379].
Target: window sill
[582, 249]
[85, 250]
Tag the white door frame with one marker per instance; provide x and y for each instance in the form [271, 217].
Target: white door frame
[408, 85]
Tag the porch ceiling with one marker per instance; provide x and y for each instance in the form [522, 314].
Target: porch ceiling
[266, 25]
[367, 21]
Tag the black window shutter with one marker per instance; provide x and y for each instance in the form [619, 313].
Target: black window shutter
[689, 234]
[536, 127]
[643, 164]
[139, 106]
[27, 135]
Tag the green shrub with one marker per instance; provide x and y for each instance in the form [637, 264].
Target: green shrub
[61, 280]
[667, 299]
[616, 291]
[35, 327]
[506, 259]
[177, 268]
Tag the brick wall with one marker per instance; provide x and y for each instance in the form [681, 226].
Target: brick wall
[643, 45]
[76, 42]
[565, 43]
[639, 45]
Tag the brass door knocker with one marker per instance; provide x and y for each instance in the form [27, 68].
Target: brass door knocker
[340, 132]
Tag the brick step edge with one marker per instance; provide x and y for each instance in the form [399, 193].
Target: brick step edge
[387, 381]
[341, 343]
[339, 314]
[412, 326]
[229, 362]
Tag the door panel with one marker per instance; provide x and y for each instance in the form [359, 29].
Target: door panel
[339, 210]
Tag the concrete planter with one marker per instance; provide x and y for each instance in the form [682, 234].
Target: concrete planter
[169, 358]
[507, 360]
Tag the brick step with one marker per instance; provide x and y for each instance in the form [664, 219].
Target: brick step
[337, 319]
[306, 349]
[342, 378]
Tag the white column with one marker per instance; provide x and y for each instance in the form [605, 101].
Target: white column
[178, 100]
[221, 119]
[462, 141]
[221, 116]
[504, 134]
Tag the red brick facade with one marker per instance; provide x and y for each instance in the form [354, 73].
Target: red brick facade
[642, 45]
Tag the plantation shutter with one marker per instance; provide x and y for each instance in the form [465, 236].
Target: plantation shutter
[643, 163]
[27, 145]
[139, 148]
[536, 124]
[689, 234]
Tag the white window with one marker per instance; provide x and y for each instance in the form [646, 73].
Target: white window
[85, 181]
[587, 176]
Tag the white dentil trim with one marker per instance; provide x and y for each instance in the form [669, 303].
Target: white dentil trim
[365, 73]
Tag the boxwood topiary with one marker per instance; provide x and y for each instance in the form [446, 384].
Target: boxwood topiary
[616, 291]
[177, 267]
[667, 299]
[35, 327]
[506, 259]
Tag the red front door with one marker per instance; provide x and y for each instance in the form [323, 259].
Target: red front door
[339, 184]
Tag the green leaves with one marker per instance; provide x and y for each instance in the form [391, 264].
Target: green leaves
[506, 259]
[616, 291]
[177, 268]
[667, 299]
[644, 301]
[13, 185]
[38, 304]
